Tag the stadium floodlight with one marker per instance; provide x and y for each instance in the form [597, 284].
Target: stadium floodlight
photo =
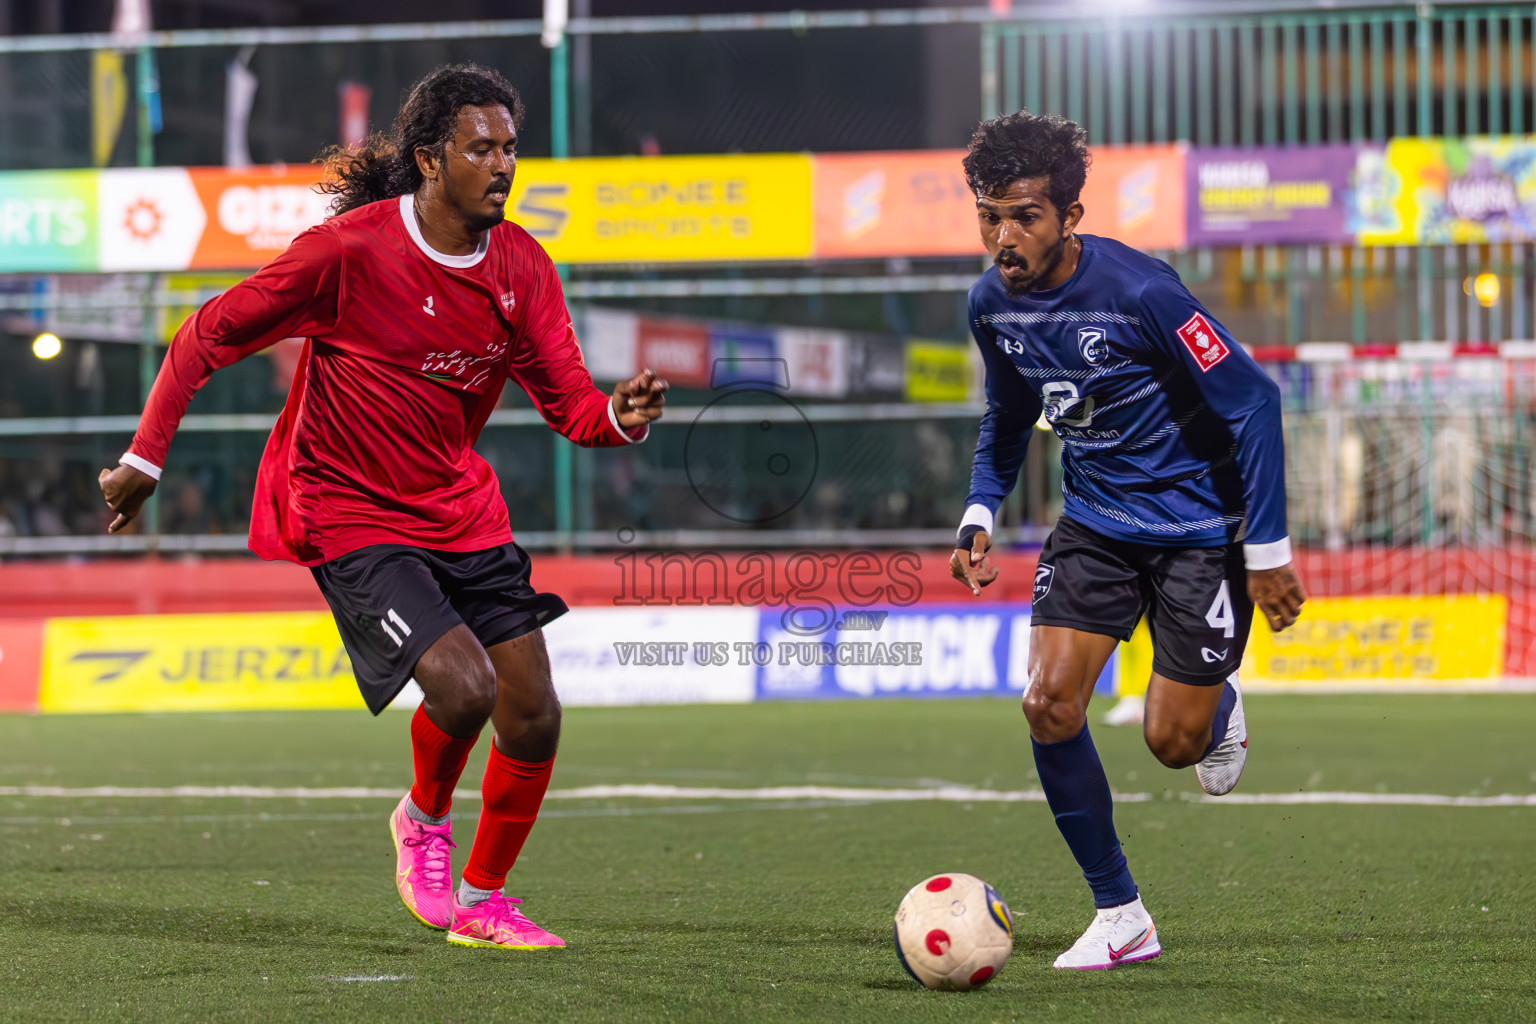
[1485, 288]
[46, 345]
[557, 14]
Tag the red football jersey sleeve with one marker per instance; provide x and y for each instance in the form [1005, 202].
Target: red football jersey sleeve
[293, 296]
[407, 354]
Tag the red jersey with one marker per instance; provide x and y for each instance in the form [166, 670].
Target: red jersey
[406, 356]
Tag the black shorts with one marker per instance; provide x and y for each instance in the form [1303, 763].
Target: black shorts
[392, 602]
[1195, 599]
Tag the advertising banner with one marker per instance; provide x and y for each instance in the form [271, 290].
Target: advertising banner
[939, 371]
[816, 361]
[295, 660]
[933, 650]
[1270, 195]
[150, 218]
[613, 656]
[666, 209]
[1433, 191]
[47, 221]
[878, 205]
[21, 651]
[676, 349]
[252, 215]
[742, 355]
[876, 366]
[1135, 194]
[271, 660]
[100, 307]
[1359, 642]
[609, 340]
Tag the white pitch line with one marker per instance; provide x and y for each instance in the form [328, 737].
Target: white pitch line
[1388, 799]
[198, 792]
[849, 794]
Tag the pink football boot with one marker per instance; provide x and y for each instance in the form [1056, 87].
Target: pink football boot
[499, 924]
[423, 869]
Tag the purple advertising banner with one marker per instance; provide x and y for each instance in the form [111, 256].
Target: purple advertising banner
[1270, 195]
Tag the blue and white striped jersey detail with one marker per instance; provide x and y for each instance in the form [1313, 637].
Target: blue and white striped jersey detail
[1171, 432]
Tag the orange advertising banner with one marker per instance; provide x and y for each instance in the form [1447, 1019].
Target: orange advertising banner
[874, 205]
[253, 215]
[1135, 194]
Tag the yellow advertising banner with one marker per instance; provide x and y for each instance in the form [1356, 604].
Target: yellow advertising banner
[666, 209]
[245, 662]
[1448, 191]
[938, 371]
[1386, 641]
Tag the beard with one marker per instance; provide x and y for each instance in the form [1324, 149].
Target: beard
[1049, 262]
[478, 222]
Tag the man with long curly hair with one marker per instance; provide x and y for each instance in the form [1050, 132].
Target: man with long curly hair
[1173, 484]
[418, 302]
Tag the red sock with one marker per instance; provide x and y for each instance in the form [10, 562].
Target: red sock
[510, 796]
[439, 763]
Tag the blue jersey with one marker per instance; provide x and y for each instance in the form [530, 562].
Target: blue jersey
[1170, 431]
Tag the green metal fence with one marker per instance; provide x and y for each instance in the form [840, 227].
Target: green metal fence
[1270, 79]
[1303, 78]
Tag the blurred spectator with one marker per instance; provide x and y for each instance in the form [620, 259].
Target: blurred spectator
[186, 511]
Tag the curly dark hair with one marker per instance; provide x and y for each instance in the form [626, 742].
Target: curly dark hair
[1025, 145]
[384, 166]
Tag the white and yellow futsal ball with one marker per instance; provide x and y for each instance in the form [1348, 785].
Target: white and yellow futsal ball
[953, 931]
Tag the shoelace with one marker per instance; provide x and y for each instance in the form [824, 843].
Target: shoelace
[504, 908]
[435, 869]
[1100, 931]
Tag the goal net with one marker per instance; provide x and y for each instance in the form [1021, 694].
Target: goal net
[1413, 477]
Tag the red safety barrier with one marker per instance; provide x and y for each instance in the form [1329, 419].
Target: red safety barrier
[151, 586]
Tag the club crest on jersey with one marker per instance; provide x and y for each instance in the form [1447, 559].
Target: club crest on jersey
[1090, 342]
[1200, 338]
[508, 301]
[1043, 576]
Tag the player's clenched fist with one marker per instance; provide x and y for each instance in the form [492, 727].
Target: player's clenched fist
[126, 490]
[970, 564]
[640, 400]
[1278, 594]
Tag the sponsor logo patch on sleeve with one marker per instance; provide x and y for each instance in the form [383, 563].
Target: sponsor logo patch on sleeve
[1203, 343]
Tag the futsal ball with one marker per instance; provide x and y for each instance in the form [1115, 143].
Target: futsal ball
[953, 932]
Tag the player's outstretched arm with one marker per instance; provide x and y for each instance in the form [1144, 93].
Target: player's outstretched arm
[293, 296]
[1278, 594]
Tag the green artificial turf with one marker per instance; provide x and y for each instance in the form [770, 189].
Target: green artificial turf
[741, 911]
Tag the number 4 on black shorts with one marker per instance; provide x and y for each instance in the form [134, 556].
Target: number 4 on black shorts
[1195, 599]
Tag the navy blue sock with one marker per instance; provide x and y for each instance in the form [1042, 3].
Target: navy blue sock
[1078, 792]
[1223, 715]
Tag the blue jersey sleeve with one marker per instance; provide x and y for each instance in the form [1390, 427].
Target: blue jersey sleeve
[1239, 391]
[1012, 409]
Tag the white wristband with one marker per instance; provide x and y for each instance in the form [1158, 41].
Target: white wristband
[613, 418]
[977, 515]
[139, 463]
[1258, 557]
